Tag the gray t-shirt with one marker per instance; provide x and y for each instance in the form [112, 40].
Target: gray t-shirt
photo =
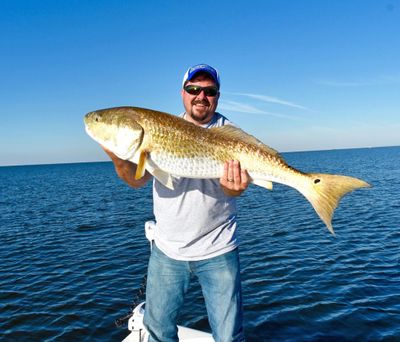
[196, 220]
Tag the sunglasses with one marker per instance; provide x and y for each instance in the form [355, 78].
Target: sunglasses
[196, 90]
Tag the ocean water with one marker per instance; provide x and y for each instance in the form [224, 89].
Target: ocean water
[73, 254]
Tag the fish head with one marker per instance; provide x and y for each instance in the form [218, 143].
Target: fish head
[116, 129]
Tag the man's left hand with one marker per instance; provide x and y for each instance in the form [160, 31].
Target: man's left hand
[234, 179]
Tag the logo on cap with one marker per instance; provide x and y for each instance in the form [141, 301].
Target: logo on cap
[192, 71]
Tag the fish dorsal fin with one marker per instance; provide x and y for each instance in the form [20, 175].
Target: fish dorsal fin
[233, 132]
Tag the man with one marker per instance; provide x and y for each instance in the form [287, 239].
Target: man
[195, 229]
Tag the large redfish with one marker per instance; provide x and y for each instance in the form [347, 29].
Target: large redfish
[166, 145]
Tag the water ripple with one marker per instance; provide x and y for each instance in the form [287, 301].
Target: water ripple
[73, 252]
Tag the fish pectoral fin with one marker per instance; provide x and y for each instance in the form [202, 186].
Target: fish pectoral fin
[263, 183]
[141, 165]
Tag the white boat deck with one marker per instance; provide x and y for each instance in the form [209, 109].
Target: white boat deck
[140, 334]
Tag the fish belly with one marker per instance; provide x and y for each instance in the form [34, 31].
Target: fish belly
[193, 167]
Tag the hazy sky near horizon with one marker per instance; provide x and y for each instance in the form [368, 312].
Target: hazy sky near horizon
[299, 75]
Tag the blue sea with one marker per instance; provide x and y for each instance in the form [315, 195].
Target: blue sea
[73, 254]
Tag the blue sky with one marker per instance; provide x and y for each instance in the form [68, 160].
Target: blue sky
[299, 75]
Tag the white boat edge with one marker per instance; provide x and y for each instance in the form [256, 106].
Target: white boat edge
[138, 332]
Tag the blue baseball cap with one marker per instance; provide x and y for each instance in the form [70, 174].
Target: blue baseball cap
[192, 71]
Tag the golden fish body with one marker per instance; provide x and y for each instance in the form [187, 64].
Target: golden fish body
[167, 145]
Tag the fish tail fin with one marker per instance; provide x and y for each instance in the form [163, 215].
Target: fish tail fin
[324, 192]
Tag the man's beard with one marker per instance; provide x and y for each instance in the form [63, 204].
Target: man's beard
[201, 117]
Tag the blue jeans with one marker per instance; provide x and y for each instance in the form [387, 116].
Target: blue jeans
[168, 281]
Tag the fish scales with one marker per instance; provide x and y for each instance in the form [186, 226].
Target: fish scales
[189, 153]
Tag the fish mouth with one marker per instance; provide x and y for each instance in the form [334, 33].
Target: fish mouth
[86, 118]
[90, 120]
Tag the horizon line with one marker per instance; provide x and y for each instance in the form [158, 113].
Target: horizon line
[280, 152]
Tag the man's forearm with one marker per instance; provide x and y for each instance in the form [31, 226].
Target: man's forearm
[126, 171]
